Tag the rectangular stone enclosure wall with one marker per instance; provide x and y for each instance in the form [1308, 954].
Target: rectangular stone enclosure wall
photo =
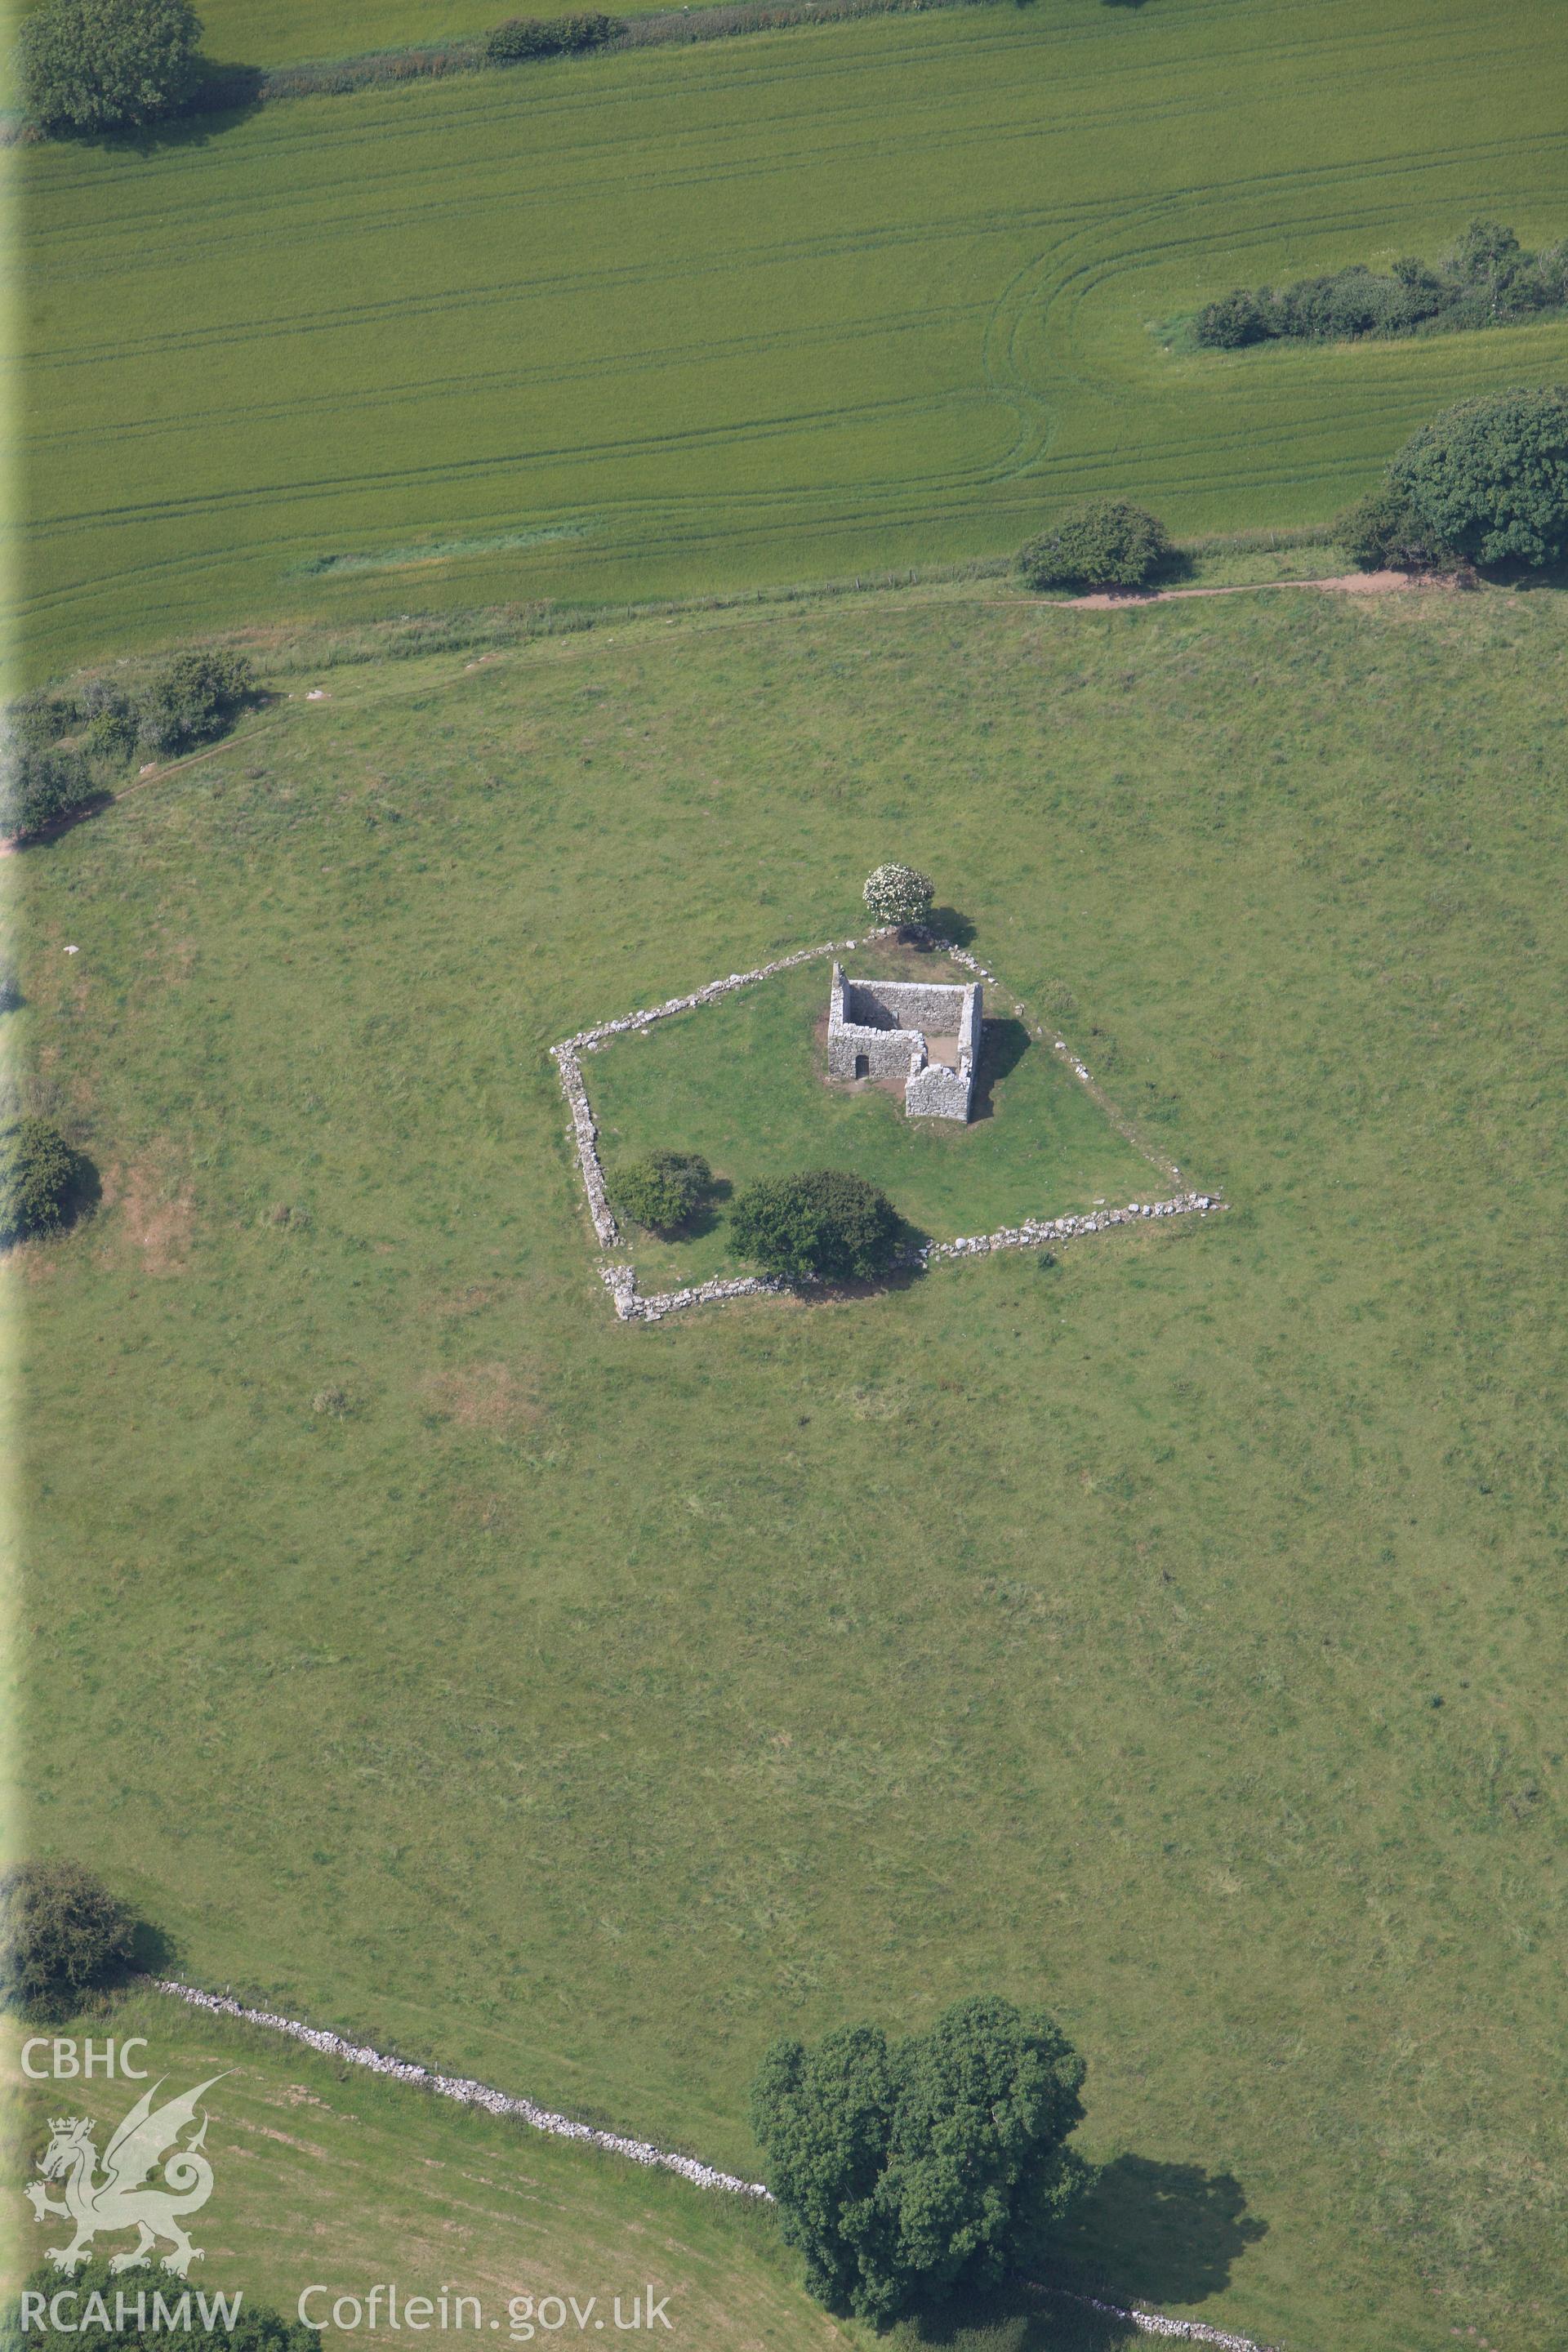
[879, 1028]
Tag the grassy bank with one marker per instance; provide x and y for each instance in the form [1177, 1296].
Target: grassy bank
[849, 298]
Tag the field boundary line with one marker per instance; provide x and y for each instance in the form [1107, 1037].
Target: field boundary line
[619, 1276]
[243, 88]
[465, 2091]
[469, 2093]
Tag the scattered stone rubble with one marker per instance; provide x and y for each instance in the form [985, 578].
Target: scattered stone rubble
[620, 1278]
[640, 2151]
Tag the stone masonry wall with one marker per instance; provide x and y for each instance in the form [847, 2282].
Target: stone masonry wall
[889, 1051]
[887, 1023]
[937, 1092]
[934, 1007]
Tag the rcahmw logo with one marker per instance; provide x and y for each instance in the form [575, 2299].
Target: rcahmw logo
[122, 2195]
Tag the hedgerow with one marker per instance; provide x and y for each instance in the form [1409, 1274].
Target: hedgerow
[1485, 279]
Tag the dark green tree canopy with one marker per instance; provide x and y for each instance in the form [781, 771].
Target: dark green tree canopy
[662, 1191]
[1489, 477]
[1106, 544]
[826, 1223]
[61, 1931]
[522, 38]
[1381, 533]
[1485, 277]
[108, 65]
[911, 2171]
[41, 787]
[194, 697]
[256, 2328]
[39, 1175]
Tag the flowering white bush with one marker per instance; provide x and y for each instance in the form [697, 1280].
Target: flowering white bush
[896, 894]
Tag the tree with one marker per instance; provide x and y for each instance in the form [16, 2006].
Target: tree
[1238, 318]
[1107, 543]
[662, 1191]
[39, 1173]
[911, 2172]
[41, 787]
[128, 2327]
[193, 698]
[898, 893]
[1380, 533]
[826, 1223]
[1489, 477]
[825, 2119]
[522, 39]
[108, 65]
[1489, 257]
[61, 1931]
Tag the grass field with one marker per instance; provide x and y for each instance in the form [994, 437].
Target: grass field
[325, 2174]
[581, 1705]
[745, 1082]
[782, 308]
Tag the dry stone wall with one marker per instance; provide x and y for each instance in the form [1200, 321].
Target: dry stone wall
[639, 2151]
[620, 1278]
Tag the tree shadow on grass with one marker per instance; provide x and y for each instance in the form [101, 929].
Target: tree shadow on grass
[228, 96]
[1003, 1046]
[704, 1218]
[86, 1194]
[1146, 2233]
[835, 1294]
[1018, 2318]
[40, 838]
[1161, 2233]
[944, 923]
[1519, 577]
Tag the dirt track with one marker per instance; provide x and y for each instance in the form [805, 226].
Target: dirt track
[1349, 583]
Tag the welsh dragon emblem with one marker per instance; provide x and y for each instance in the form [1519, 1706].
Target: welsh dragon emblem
[119, 2197]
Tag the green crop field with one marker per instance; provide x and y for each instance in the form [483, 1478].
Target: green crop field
[745, 1082]
[1170, 1634]
[775, 309]
[322, 2172]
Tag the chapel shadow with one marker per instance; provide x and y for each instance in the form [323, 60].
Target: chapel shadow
[1003, 1041]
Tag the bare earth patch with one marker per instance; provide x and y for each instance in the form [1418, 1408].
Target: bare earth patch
[157, 1213]
[481, 1396]
[1346, 584]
